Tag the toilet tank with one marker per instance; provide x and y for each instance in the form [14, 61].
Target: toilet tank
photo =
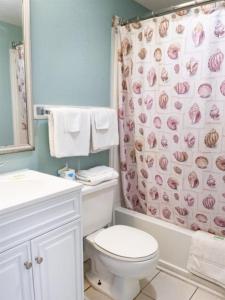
[97, 206]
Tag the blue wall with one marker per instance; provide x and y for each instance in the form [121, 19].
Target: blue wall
[8, 34]
[71, 43]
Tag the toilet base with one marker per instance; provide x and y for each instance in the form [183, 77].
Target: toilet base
[115, 287]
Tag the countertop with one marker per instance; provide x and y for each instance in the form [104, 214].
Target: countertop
[21, 188]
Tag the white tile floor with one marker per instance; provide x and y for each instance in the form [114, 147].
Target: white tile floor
[160, 286]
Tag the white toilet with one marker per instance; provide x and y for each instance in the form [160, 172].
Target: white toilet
[120, 255]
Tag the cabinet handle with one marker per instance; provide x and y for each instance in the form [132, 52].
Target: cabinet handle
[39, 260]
[28, 265]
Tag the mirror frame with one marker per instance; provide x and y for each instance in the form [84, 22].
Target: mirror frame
[27, 50]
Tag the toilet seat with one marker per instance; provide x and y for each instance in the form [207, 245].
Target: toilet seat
[126, 243]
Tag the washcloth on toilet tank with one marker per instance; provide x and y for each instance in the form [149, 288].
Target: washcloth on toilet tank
[96, 175]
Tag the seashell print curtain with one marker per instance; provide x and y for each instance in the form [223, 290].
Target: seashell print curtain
[171, 93]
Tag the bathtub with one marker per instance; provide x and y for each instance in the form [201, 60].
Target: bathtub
[174, 243]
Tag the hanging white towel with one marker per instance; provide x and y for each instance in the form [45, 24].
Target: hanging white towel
[69, 132]
[104, 124]
[207, 257]
[97, 175]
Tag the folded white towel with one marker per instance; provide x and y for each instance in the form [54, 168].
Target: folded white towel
[72, 121]
[69, 132]
[104, 129]
[102, 120]
[97, 175]
[207, 257]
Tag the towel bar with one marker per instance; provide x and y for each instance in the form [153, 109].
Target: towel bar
[41, 112]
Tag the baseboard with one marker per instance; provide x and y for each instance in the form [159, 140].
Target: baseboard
[183, 274]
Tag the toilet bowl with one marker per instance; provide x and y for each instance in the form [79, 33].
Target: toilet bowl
[120, 257]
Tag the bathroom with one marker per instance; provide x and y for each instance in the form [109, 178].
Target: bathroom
[149, 222]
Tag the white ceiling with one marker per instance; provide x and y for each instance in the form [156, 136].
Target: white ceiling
[11, 11]
[160, 4]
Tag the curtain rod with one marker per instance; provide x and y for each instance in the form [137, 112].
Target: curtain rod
[161, 12]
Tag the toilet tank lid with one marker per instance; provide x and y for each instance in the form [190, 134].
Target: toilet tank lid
[126, 241]
[88, 189]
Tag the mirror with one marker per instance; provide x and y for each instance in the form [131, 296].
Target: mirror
[16, 130]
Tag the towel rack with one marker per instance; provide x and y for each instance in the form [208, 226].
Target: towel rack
[41, 112]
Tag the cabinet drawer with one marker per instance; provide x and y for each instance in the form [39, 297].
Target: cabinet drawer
[33, 220]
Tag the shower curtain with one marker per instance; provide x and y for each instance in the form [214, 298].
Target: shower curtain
[18, 94]
[171, 106]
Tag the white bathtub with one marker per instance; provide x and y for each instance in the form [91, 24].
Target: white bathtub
[174, 243]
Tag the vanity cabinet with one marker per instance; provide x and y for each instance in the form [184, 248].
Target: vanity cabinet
[56, 259]
[16, 283]
[41, 255]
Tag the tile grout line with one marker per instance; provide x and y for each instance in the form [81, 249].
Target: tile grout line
[147, 285]
[194, 293]
[150, 281]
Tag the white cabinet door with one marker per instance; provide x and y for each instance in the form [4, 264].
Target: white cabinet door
[16, 281]
[58, 264]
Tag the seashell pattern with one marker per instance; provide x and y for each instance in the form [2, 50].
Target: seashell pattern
[209, 202]
[171, 118]
[163, 163]
[148, 102]
[163, 100]
[190, 140]
[163, 27]
[164, 142]
[151, 77]
[192, 66]
[208, 8]
[211, 182]
[201, 218]
[157, 122]
[158, 54]
[219, 30]
[222, 88]
[181, 211]
[173, 183]
[137, 87]
[219, 221]
[154, 194]
[172, 123]
[181, 156]
[211, 138]
[142, 53]
[205, 90]
[215, 61]
[214, 113]
[193, 180]
[198, 35]
[202, 162]
[166, 212]
[177, 68]
[173, 51]
[195, 114]
[182, 88]
[143, 118]
[164, 75]
[180, 29]
[220, 163]
[189, 199]
[152, 141]
[148, 34]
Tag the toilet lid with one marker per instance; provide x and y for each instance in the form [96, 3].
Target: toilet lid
[127, 242]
